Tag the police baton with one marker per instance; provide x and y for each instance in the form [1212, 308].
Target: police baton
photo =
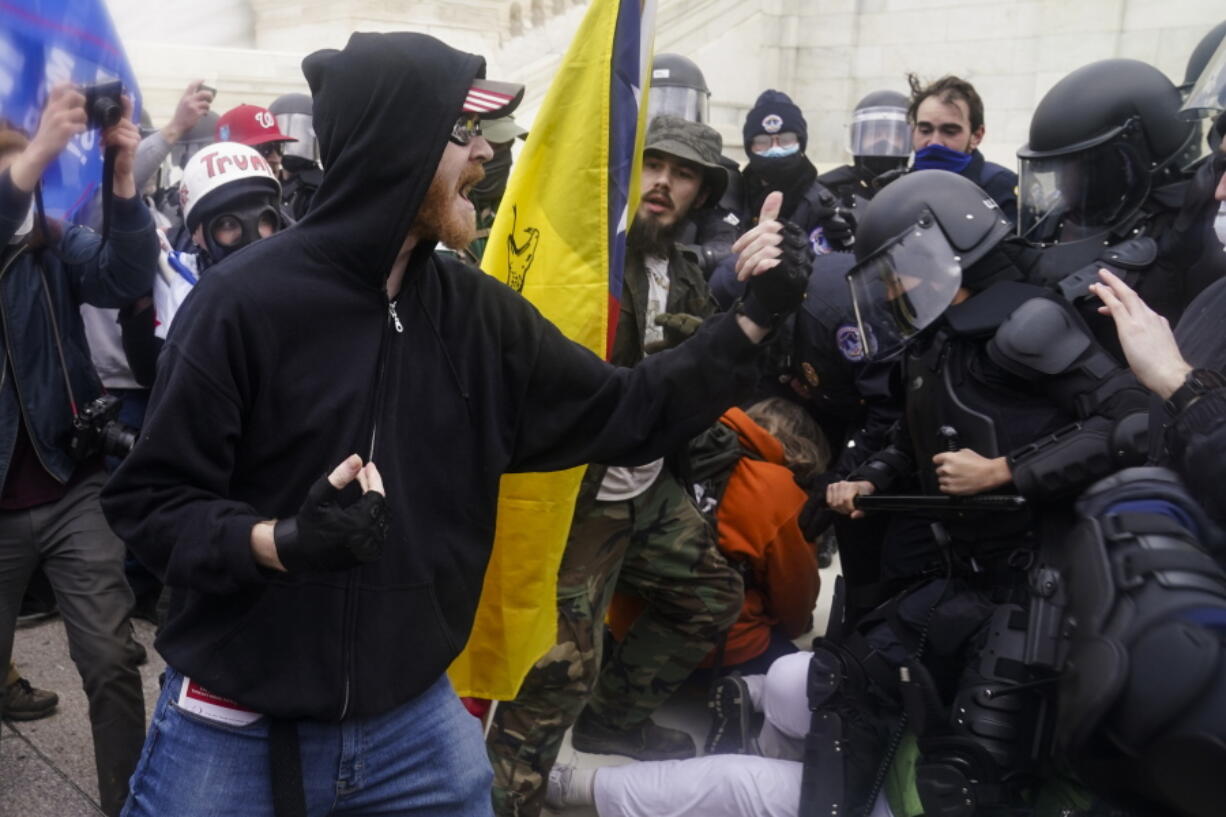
[939, 503]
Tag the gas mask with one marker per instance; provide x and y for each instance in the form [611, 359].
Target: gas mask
[237, 226]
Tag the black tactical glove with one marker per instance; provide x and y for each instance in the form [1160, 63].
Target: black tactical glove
[836, 224]
[778, 292]
[838, 231]
[677, 327]
[816, 516]
[325, 536]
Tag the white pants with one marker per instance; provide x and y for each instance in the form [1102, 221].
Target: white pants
[713, 786]
[727, 785]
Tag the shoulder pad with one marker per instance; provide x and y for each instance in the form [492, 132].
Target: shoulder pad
[988, 309]
[1133, 254]
[1125, 257]
[1041, 338]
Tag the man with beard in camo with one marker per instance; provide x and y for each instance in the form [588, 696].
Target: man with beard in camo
[635, 528]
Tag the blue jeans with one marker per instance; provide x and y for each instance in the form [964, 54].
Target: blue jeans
[426, 757]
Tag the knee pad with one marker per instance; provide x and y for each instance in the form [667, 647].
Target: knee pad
[847, 736]
[985, 759]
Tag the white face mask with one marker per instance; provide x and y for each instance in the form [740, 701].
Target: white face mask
[1219, 224]
[26, 227]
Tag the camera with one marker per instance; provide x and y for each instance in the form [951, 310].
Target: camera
[103, 104]
[96, 430]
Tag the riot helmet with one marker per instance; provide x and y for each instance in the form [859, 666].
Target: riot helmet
[1201, 54]
[202, 134]
[879, 136]
[295, 117]
[1207, 97]
[678, 88]
[1100, 140]
[230, 191]
[916, 245]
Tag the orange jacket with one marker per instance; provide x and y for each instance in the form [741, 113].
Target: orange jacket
[757, 520]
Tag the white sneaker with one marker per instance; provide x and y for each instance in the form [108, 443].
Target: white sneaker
[557, 792]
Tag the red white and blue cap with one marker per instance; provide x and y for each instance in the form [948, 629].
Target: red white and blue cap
[492, 99]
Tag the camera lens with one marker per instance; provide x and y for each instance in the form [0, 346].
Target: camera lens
[107, 112]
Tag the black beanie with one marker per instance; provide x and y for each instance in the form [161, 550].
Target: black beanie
[775, 112]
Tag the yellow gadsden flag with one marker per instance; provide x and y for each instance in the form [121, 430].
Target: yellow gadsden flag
[559, 239]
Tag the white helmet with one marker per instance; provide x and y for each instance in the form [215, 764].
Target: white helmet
[222, 165]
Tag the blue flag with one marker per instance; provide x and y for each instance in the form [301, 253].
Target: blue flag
[45, 42]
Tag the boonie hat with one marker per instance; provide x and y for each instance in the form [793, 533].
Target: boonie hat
[693, 142]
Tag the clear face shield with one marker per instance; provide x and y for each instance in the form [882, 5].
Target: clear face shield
[904, 287]
[1208, 95]
[687, 103]
[1076, 195]
[879, 132]
[302, 127]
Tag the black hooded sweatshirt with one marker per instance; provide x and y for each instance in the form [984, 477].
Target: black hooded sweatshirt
[285, 360]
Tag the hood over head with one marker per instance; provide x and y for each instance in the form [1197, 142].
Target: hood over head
[383, 109]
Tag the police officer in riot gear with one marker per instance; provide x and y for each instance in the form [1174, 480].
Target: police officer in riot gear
[879, 140]
[300, 173]
[1196, 105]
[678, 88]
[1101, 184]
[1005, 391]
[1196, 243]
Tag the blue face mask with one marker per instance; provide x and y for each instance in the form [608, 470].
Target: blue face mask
[779, 152]
[939, 157]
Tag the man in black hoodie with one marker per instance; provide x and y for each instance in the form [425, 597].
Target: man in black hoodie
[311, 639]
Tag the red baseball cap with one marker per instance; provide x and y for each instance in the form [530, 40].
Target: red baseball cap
[250, 125]
[492, 99]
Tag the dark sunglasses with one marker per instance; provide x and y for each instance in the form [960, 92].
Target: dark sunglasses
[465, 129]
[269, 149]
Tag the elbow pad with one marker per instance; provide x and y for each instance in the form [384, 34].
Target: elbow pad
[1069, 460]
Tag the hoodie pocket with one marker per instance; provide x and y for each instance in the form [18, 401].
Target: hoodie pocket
[403, 645]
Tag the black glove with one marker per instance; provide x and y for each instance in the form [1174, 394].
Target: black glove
[325, 536]
[836, 227]
[776, 293]
[816, 516]
[677, 327]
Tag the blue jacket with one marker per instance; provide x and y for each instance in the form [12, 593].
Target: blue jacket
[997, 181]
[45, 366]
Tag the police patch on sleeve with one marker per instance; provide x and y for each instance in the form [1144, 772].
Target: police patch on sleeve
[847, 338]
[819, 242]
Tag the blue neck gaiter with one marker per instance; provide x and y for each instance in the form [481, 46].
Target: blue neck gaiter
[939, 157]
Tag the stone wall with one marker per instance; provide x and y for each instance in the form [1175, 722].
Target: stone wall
[829, 53]
[825, 53]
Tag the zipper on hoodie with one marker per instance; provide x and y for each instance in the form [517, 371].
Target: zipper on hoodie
[351, 585]
[16, 384]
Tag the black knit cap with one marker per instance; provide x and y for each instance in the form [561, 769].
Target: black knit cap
[775, 112]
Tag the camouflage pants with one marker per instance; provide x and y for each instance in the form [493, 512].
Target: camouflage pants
[658, 547]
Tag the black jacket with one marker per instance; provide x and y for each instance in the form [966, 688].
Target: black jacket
[284, 361]
[46, 364]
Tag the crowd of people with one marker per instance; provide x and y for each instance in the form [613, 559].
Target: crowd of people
[962, 378]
